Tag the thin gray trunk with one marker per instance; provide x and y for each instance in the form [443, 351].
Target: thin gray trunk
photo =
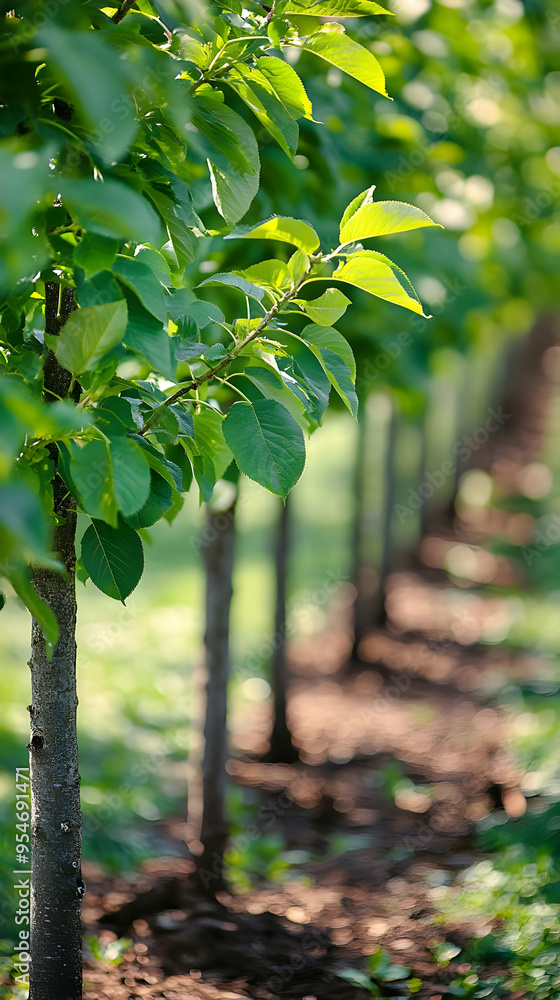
[362, 607]
[427, 508]
[282, 749]
[385, 562]
[218, 559]
[57, 888]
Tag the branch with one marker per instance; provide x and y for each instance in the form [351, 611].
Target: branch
[123, 10]
[272, 312]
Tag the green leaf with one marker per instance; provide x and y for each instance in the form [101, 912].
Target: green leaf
[376, 274]
[146, 335]
[95, 253]
[168, 470]
[287, 86]
[235, 282]
[182, 239]
[395, 972]
[267, 444]
[110, 208]
[160, 500]
[382, 218]
[41, 612]
[91, 473]
[327, 309]
[95, 77]
[23, 517]
[271, 385]
[272, 274]
[114, 416]
[335, 8]
[327, 338]
[359, 979]
[233, 156]
[333, 45]
[256, 90]
[113, 557]
[365, 198]
[131, 475]
[89, 334]
[335, 355]
[284, 229]
[307, 368]
[209, 436]
[139, 277]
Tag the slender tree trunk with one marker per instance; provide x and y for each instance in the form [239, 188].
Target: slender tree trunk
[385, 562]
[282, 749]
[57, 888]
[427, 509]
[218, 558]
[361, 604]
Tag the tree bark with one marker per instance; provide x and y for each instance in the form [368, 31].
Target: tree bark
[218, 559]
[385, 562]
[361, 608]
[57, 887]
[282, 750]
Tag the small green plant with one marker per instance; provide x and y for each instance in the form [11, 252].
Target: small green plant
[112, 953]
[380, 971]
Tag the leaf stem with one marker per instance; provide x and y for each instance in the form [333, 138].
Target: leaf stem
[272, 312]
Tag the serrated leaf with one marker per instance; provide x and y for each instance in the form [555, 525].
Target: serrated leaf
[146, 335]
[286, 85]
[258, 94]
[131, 475]
[272, 274]
[335, 8]
[267, 444]
[80, 57]
[167, 469]
[335, 355]
[209, 436]
[300, 234]
[91, 473]
[333, 45]
[159, 501]
[139, 277]
[383, 218]
[95, 253]
[327, 309]
[365, 198]
[376, 274]
[233, 156]
[327, 338]
[89, 334]
[110, 208]
[271, 385]
[113, 557]
[235, 281]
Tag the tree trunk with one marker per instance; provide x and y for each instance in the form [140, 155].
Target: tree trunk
[361, 604]
[57, 888]
[385, 562]
[218, 558]
[282, 749]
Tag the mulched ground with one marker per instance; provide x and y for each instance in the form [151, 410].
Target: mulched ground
[417, 707]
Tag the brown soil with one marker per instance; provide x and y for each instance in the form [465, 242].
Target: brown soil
[421, 703]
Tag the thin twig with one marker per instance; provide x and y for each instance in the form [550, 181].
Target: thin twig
[123, 10]
[272, 312]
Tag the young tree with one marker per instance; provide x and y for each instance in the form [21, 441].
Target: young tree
[111, 398]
